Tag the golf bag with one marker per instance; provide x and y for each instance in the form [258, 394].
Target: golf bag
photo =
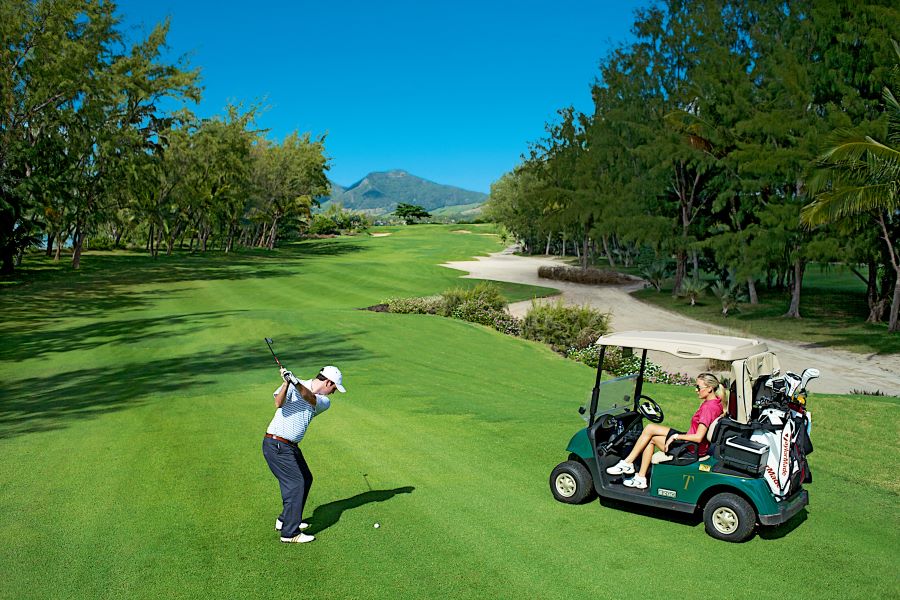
[786, 434]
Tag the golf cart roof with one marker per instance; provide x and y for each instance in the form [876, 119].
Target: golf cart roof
[686, 345]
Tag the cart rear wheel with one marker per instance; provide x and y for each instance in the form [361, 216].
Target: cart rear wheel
[571, 482]
[729, 517]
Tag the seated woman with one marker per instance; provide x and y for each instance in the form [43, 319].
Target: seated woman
[715, 403]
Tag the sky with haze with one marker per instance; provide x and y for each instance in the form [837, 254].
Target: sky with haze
[450, 91]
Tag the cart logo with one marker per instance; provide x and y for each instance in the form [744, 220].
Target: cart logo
[687, 480]
[667, 493]
[704, 468]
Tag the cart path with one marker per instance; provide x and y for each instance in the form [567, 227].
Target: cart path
[842, 371]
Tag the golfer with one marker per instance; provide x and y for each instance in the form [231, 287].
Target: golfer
[714, 403]
[297, 402]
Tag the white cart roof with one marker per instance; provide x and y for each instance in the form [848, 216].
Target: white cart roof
[686, 345]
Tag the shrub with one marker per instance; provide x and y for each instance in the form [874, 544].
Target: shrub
[617, 364]
[427, 305]
[564, 326]
[486, 293]
[692, 290]
[477, 311]
[729, 296]
[591, 275]
[656, 274]
[101, 243]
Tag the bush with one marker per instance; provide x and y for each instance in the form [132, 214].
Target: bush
[617, 364]
[564, 326]
[428, 305]
[478, 311]
[101, 243]
[591, 275]
[322, 225]
[692, 290]
[485, 293]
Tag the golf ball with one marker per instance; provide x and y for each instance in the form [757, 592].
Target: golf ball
[376, 525]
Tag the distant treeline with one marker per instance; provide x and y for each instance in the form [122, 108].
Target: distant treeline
[89, 156]
[741, 138]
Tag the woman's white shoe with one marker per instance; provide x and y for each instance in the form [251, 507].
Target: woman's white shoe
[636, 482]
[621, 468]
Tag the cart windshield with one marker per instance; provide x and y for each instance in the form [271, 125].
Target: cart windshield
[613, 393]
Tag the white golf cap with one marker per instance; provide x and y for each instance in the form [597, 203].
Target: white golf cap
[334, 374]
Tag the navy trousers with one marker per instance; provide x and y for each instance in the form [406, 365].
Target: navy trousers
[294, 478]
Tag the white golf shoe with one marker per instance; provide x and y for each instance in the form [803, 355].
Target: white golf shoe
[636, 482]
[300, 538]
[279, 525]
[621, 468]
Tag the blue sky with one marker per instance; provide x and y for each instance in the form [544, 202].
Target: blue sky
[450, 91]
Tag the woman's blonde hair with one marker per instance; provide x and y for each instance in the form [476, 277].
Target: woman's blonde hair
[718, 389]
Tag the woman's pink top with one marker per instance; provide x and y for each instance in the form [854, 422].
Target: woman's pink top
[708, 412]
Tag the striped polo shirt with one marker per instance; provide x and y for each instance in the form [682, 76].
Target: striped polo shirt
[292, 419]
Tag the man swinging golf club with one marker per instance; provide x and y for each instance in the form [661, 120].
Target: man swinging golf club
[296, 402]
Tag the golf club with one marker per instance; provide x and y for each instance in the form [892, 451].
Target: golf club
[269, 343]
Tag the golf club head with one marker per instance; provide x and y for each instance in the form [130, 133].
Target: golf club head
[808, 374]
[269, 341]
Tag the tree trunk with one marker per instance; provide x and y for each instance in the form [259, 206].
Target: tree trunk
[51, 237]
[751, 291]
[547, 250]
[76, 254]
[584, 253]
[273, 233]
[680, 270]
[794, 310]
[893, 325]
[696, 261]
[609, 256]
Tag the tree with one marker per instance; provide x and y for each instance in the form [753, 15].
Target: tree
[67, 86]
[411, 212]
[861, 176]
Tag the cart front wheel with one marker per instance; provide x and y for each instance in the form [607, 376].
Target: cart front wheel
[729, 517]
[571, 482]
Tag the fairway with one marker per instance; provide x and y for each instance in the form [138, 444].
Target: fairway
[136, 393]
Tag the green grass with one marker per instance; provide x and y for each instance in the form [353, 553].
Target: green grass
[832, 304]
[135, 395]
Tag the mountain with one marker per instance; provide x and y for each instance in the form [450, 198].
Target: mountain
[379, 193]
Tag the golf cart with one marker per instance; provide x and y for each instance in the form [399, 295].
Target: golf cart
[756, 466]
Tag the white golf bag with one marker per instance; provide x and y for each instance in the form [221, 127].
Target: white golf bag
[786, 435]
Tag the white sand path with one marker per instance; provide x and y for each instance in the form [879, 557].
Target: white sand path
[842, 371]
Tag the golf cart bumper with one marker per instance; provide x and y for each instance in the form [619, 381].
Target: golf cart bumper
[786, 510]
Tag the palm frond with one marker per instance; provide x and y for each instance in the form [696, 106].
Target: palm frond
[845, 200]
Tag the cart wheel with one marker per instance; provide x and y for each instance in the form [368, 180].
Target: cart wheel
[729, 517]
[571, 482]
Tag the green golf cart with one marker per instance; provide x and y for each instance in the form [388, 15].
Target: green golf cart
[756, 466]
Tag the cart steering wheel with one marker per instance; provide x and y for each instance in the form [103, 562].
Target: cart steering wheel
[648, 408]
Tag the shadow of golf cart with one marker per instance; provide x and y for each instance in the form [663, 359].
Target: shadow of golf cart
[756, 465]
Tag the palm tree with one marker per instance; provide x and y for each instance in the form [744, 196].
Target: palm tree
[861, 176]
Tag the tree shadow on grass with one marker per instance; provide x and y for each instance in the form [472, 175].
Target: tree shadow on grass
[327, 515]
[53, 401]
[25, 343]
[53, 291]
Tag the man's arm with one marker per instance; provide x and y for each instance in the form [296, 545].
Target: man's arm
[305, 393]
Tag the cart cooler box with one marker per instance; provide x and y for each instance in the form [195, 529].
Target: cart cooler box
[745, 455]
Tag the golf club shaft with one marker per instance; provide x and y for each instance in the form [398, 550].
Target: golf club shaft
[269, 344]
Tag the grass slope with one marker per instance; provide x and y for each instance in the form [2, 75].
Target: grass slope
[136, 394]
